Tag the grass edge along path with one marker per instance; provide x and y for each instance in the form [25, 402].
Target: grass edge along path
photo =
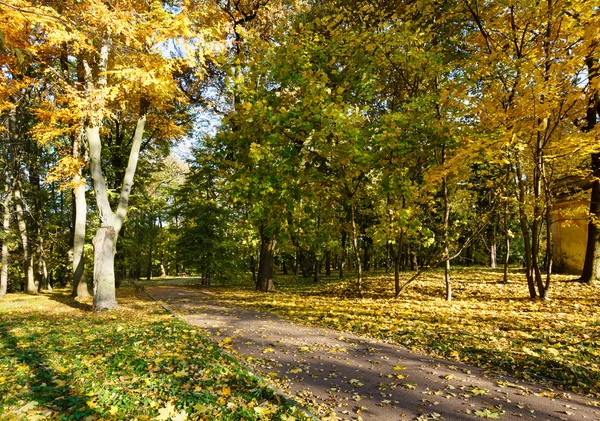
[489, 324]
[285, 397]
[61, 361]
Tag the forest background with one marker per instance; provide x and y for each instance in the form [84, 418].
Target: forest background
[361, 149]
[342, 136]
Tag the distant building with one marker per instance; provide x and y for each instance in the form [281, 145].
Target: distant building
[569, 234]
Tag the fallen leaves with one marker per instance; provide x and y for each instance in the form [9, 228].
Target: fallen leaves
[133, 363]
[489, 324]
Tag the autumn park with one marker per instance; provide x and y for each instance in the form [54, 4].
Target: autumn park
[298, 210]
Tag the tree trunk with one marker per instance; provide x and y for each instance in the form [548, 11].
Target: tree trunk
[150, 249]
[356, 251]
[104, 268]
[524, 228]
[397, 258]
[317, 273]
[414, 263]
[446, 239]
[536, 223]
[5, 229]
[493, 247]
[591, 265]
[30, 286]
[506, 234]
[328, 263]
[110, 223]
[343, 255]
[42, 268]
[80, 286]
[266, 262]
[253, 269]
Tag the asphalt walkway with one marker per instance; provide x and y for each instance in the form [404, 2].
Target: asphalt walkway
[348, 377]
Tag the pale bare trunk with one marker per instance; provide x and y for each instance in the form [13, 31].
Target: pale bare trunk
[41, 266]
[80, 286]
[30, 286]
[5, 229]
[110, 223]
[104, 268]
[356, 251]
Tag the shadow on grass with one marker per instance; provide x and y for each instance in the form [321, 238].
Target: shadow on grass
[45, 386]
[70, 302]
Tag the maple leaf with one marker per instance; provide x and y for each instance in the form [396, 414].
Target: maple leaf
[165, 413]
[180, 416]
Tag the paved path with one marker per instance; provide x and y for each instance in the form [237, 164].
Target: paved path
[360, 378]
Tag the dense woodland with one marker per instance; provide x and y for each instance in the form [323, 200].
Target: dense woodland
[329, 138]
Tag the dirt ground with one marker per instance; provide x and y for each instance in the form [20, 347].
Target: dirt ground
[347, 377]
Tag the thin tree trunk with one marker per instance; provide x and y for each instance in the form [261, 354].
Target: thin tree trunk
[524, 228]
[80, 286]
[266, 262]
[507, 244]
[414, 263]
[343, 255]
[30, 286]
[536, 223]
[356, 251]
[397, 258]
[493, 247]
[5, 229]
[42, 268]
[317, 273]
[150, 249]
[446, 239]
[328, 263]
[253, 269]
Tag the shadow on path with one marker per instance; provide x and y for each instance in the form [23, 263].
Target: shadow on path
[360, 378]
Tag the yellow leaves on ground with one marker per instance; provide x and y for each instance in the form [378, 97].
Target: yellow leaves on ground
[490, 324]
[136, 362]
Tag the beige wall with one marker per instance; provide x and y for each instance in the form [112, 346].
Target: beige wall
[569, 232]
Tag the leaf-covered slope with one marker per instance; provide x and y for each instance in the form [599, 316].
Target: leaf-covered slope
[60, 361]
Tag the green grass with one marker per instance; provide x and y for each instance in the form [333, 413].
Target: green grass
[60, 361]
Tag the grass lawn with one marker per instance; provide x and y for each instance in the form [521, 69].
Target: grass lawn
[489, 324]
[60, 361]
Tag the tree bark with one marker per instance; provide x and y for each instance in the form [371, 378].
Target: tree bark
[104, 268]
[30, 286]
[343, 255]
[150, 249]
[80, 286]
[397, 257]
[317, 273]
[591, 265]
[266, 262]
[524, 228]
[356, 251]
[446, 239]
[5, 229]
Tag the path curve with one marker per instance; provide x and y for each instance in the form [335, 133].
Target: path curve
[364, 379]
